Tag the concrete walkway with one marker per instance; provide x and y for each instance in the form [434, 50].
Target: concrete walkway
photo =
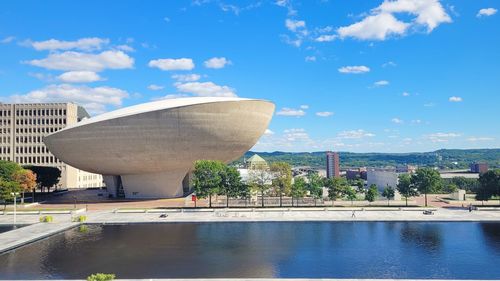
[12, 239]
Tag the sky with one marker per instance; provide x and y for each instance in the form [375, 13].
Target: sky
[359, 76]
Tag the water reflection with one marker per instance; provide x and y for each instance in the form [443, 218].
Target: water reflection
[287, 249]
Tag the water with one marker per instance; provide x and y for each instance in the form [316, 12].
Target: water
[5, 228]
[287, 249]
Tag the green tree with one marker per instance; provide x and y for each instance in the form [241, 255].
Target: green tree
[6, 189]
[315, 185]
[282, 178]
[360, 185]
[350, 194]
[231, 185]
[7, 169]
[489, 185]
[260, 179]
[207, 179]
[46, 177]
[388, 193]
[372, 193]
[336, 188]
[298, 188]
[405, 187]
[465, 183]
[427, 180]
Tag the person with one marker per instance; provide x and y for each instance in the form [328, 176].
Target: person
[470, 208]
[353, 214]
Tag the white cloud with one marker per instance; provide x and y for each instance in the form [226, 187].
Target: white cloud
[79, 77]
[477, 139]
[416, 121]
[186, 77]
[397, 120]
[294, 25]
[325, 38]
[268, 132]
[354, 134]
[172, 64]
[486, 12]
[217, 63]
[70, 60]
[441, 137]
[125, 48]
[324, 113]
[154, 87]
[95, 100]
[389, 63]
[354, 69]
[286, 111]
[381, 22]
[405, 94]
[381, 83]
[84, 44]
[7, 39]
[171, 96]
[295, 135]
[205, 89]
[455, 99]
[304, 106]
[310, 58]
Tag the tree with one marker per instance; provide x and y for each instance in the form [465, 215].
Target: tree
[336, 188]
[388, 193]
[426, 180]
[360, 185]
[465, 183]
[26, 179]
[45, 176]
[298, 188]
[282, 178]
[6, 189]
[231, 185]
[489, 185]
[207, 178]
[315, 185]
[350, 194]
[372, 193]
[260, 179]
[7, 169]
[405, 187]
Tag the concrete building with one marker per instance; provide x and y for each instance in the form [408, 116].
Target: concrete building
[479, 168]
[148, 150]
[383, 178]
[332, 164]
[22, 129]
[354, 174]
[406, 169]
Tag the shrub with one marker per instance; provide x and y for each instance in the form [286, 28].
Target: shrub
[101, 277]
[80, 219]
[46, 219]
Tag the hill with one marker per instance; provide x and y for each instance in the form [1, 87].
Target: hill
[443, 158]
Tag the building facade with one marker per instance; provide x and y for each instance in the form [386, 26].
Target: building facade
[479, 168]
[332, 164]
[22, 129]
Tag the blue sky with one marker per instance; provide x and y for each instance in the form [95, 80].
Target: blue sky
[384, 76]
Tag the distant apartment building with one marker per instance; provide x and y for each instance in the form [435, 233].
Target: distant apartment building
[479, 168]
[332, 164]
[22, 128]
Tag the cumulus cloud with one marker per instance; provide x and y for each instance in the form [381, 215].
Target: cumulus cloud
[186, 77]
[217, 62]
[268, 132]
[125, 48]
[84, 44]
[294, 25]
[304, 106]
[381, 83]
[441, 137]
[405, 94]
[172, 64]
[154, 87]
[205, 89]
[455, 99]
[478, 139]
[295, 134]
[354, 134]
[486, 12]
[397, 120]
[381, 23]
[71, 60]
[326, 38]
[389, 63]
[356, 69]
[79, 77]
[7, 39]
[286, 111]
[94, 99]
[324, 113]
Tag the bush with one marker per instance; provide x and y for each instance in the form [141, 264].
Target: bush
[46, 219]
[80, 219]
[101, 277]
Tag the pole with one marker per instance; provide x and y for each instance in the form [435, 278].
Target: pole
[15, 205]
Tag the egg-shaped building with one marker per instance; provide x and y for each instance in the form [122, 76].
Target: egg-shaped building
[148, 150]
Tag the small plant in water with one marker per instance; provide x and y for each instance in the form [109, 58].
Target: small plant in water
[46, 219]
[101, 277]
[83, 229]
[80, 219]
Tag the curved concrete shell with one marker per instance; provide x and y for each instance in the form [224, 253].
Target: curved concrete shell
[147, 150]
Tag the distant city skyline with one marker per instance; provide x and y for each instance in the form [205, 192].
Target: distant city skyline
[370, 76]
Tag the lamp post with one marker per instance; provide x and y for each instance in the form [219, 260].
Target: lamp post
[15, 205]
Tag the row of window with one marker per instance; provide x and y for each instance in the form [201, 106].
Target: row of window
[37, 160]
[25, 150]
[38, 121]
[35, 112]
[39, 130]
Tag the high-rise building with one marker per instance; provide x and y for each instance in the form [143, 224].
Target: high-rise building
[479, 168]
[22, 128]
[332, 164]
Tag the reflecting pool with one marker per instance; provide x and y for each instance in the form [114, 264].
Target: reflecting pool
[264, 249]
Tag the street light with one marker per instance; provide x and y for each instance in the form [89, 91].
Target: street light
[15, 204]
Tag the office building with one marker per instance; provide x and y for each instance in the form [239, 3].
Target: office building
[22, 129]
[332, 164]
[479, 168]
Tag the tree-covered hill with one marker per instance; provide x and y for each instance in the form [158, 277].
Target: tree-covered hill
[443, 158]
